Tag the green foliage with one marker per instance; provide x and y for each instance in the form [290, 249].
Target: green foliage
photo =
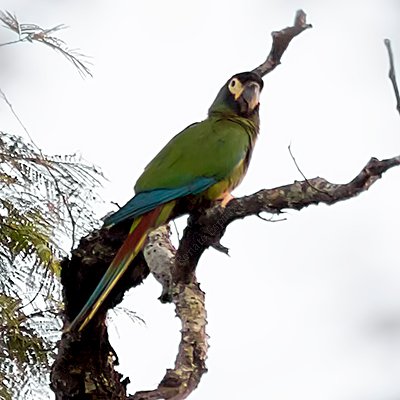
[26, 234]
[35, 34]
[45, 202]
[21, 350]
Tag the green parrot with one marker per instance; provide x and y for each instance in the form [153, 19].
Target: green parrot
[201, 164]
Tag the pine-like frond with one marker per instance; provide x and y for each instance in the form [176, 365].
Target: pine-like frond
[46, 202]
[22, 351]
[34, 33]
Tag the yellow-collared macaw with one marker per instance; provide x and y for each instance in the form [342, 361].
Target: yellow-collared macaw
[202, 163]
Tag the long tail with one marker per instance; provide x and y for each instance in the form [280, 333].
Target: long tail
[125, 255]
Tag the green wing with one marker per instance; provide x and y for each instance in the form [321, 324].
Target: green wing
[209, 149]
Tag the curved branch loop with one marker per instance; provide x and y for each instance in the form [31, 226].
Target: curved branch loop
[85, 363]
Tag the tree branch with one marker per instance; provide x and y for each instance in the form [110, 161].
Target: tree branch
[392, 73]
[206, 229]
[189, 300]
[280, 42]
[93, 373]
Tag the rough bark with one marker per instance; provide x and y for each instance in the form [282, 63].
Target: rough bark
[84, 368]
[207, 229]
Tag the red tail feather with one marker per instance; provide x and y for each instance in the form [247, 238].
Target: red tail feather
[146, 222]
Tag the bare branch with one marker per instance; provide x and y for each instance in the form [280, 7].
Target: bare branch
[298, 169]
[159, 253]
[189, 300]
[392, 73]
[280, 42]
[207, 228]
[10, 106]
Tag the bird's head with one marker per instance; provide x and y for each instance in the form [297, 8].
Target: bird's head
[239, 96]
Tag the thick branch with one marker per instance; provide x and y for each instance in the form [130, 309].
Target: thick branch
[189, 367]
[187, 296]
[179, 382]
[205, 230]
[93, 375]
[84, 367]
[87, 353]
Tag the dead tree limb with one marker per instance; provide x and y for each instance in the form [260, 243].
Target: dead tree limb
[207, 229]
[84, 368]
[280, 42]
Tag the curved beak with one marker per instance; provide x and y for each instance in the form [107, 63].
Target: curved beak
[251, 94]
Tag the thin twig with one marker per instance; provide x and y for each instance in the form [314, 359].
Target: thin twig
[116, 204]
[3, 95]
[12, 42]
[392, 73]
[301, 172]
[42, 283]
[271, 219]
[176, 230]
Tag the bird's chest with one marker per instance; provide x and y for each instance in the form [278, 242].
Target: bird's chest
[229, 183]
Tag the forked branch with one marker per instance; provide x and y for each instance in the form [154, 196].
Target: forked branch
[207, 229]
[176, 271]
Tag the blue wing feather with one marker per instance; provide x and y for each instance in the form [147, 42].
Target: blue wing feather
[144, 202]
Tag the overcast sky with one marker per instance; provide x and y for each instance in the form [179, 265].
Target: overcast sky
[308, 308]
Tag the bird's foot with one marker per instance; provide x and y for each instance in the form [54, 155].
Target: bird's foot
[225, 199]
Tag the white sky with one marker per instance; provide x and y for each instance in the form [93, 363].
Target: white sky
[308, 308]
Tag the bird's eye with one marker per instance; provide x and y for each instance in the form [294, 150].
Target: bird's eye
[235, 87]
